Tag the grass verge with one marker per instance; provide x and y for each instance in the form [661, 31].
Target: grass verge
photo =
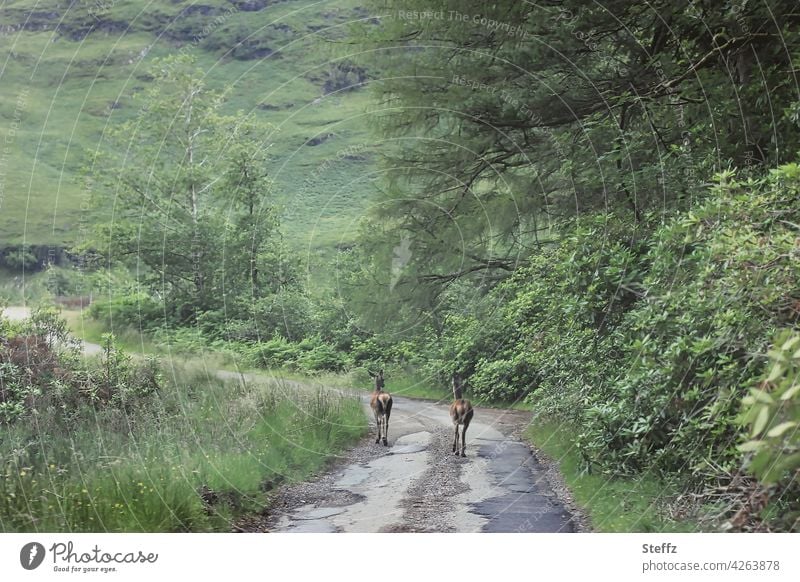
[144, 470]
[128, 339]
[612, 504]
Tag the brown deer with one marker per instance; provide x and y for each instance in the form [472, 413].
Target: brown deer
[381, 403]
[461, 413]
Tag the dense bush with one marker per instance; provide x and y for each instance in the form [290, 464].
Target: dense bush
[135, 309]
[18, 258]
[318, 356]
[41, 369]
[275, 353]
[645, 338]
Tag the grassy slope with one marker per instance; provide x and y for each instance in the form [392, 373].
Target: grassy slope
[60, 88]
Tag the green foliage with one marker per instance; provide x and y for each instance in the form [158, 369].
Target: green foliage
[613, 504]
[317, 356]
[644, 338]
[170, 218]
[771, 414]
[19, 258]
[562, 109]
[42, 369]
[136, 309]
[275, 353]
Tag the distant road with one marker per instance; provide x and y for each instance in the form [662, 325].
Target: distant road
[17, 313]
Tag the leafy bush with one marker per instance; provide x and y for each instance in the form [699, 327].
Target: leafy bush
[317, 356]
[275, 353]
[37, 361]
[309, 355]
[41, 368]
[18, 258]
[644, 336]
[771, 413]
[135, 309]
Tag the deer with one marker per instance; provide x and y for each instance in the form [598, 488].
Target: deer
[461, 413]
[381, 404]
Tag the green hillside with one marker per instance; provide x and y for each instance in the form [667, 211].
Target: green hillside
[69, 69]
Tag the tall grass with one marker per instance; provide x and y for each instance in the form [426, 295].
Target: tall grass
[205, 453]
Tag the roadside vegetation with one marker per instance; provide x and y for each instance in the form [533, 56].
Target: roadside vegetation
[615, 504]
[122, 445]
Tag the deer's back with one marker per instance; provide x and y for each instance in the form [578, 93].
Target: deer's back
[461, 411]
[381, 402]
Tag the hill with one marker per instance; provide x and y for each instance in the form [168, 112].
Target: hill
[69, 69]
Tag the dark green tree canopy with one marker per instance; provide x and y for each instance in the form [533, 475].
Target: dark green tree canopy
[505, 119]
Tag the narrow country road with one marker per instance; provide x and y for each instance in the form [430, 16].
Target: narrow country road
[418, 485]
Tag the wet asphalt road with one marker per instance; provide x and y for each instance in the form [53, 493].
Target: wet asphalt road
[417, 484]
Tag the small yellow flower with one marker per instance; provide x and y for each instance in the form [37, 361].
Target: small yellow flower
[22, 473]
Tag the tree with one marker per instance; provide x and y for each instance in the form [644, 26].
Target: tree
[191, 208]
[513, 117]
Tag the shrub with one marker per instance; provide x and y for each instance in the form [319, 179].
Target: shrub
[771, 413]
[318, 356]
[275, 353]
[41, 368]
[138, 310]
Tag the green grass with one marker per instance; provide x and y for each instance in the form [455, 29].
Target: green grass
[612, 504]
[60, 90]
[141, 472]
[18, 290]
[128, 339]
